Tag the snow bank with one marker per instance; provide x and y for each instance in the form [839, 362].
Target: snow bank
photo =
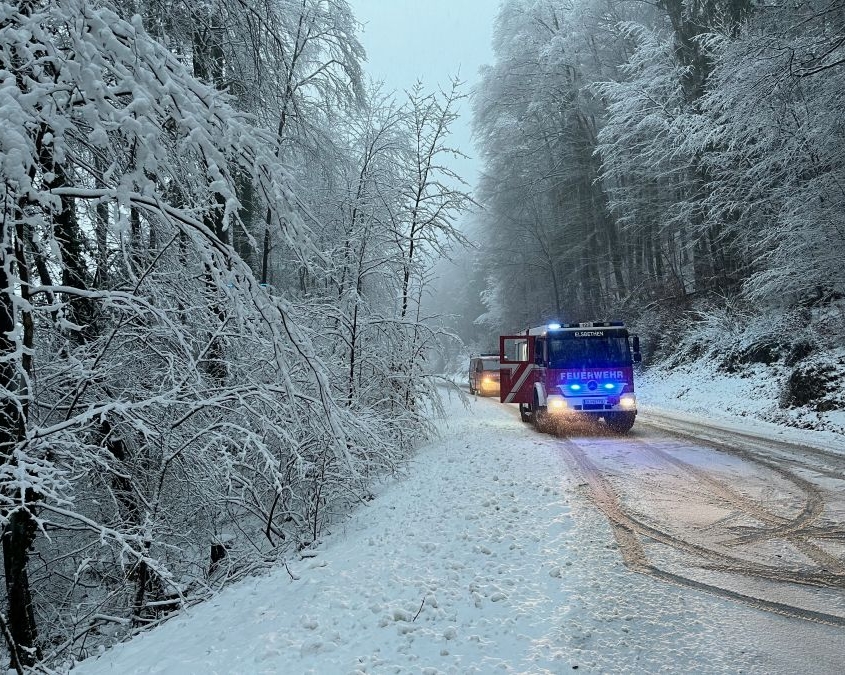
[750, 392]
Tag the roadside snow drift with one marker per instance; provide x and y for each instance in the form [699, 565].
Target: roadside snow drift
[487, 557]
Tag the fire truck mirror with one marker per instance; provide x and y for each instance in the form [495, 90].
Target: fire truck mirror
[635, 344]
[637, 357]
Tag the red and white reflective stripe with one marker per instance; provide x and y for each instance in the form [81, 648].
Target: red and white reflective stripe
[515, 387]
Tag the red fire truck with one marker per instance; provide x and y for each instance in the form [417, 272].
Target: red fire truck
[578, 369]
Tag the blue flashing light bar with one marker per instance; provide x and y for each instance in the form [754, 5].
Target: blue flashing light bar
[554, 326]
[592, 324]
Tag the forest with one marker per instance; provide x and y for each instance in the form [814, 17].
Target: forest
[678, 164]
[220, 240]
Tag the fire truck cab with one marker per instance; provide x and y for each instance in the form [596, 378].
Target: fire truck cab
[573, 370]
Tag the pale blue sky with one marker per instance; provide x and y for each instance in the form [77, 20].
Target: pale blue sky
[433, 40]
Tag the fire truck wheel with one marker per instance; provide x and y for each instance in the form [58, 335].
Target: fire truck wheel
[540, 415]
[525, 412]
[621, 423]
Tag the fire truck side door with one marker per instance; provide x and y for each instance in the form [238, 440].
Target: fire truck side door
[516, 367]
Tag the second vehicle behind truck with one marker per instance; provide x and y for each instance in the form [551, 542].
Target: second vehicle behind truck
[484, 374]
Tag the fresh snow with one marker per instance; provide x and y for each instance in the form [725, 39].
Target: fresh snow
[485, 557]
[746, 399]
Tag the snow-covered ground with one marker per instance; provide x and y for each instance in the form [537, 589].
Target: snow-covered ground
[750, 394]
[486, 557]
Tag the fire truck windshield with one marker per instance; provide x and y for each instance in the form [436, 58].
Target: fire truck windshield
[589, 352]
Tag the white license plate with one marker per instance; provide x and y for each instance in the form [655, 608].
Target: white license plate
[593, 401]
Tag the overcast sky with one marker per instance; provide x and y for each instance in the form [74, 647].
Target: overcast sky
[433, 40]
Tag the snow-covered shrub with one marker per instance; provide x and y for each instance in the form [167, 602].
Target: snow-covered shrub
[818, 383]
[734, 334]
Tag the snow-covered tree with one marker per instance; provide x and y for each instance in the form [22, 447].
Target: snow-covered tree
[169, 420]
[775, 157]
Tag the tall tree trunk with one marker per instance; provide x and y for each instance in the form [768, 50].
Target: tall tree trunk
[209, 66]
[20, 530]
[240, 240]
[101, 228]
[18, 536]
[265, 256]
[75, 272]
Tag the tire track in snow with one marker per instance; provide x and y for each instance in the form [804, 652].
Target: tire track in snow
[788, 529]
[828, 463]
[799, 530]
[608, 500]
[626, 530]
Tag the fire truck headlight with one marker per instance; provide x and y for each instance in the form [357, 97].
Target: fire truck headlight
[556, 404]
[628, 401]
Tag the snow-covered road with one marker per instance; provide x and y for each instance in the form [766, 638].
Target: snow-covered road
[502, 551]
